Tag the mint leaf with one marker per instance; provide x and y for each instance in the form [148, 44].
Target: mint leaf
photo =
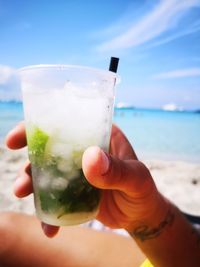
[79, 196]
[48, 202]
[37, 140]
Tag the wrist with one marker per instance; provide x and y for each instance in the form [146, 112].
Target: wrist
[153, 222]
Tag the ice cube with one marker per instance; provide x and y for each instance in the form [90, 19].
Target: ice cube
[78, 162]
[59, 183]
[44, 180]
[65, 165]
[61, 149]
[73, 174]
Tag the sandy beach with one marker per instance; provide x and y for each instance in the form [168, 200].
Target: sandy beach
[10, 164]
[179, 181]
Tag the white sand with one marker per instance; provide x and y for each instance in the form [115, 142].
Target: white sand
[179, 181]
[10, 164]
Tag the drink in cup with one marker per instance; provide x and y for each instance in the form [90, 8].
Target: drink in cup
[67, 109]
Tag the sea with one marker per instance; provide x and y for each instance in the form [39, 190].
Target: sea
[154, 133]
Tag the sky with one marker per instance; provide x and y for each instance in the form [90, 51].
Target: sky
[157, 41]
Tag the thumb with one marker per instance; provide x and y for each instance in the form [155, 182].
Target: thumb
[107, 172]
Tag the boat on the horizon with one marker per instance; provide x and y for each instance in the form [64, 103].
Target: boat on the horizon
[123, 105]
[171, 107]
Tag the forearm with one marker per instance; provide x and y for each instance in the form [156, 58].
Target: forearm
[168, 239]
[23, 244]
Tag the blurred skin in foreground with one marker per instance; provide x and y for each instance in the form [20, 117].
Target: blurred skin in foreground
[130, 200]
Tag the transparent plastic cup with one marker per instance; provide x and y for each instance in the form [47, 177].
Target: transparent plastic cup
[67, 108]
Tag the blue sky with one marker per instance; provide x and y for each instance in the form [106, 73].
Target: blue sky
[158, 42]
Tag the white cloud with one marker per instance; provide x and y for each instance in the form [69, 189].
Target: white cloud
[9, 84]
[5, 73]
[183, 73]
[194, 28]
[164, 17]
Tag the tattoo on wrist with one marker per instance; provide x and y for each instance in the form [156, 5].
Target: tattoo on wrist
[144, 232]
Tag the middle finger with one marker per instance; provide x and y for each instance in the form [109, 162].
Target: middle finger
[23, 184]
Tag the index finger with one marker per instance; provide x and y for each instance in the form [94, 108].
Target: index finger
[120, 145]
[16, 138]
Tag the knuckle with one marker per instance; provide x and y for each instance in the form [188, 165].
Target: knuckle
[117, 172]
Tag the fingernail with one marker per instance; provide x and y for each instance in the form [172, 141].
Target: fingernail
[18, 182]
[18, 187]
[105, 163]
[49, 230]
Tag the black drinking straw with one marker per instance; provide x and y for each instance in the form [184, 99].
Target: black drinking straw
[114, 64]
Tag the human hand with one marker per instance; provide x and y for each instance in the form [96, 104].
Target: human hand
[16, 139]
[129, 194]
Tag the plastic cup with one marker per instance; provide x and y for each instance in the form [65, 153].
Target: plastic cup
[67, 108]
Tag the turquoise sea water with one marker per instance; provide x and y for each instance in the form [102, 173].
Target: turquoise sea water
[155, 134]
[10, 114]
[162, 134]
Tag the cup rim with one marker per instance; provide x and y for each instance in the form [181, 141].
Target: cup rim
[67, 66]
